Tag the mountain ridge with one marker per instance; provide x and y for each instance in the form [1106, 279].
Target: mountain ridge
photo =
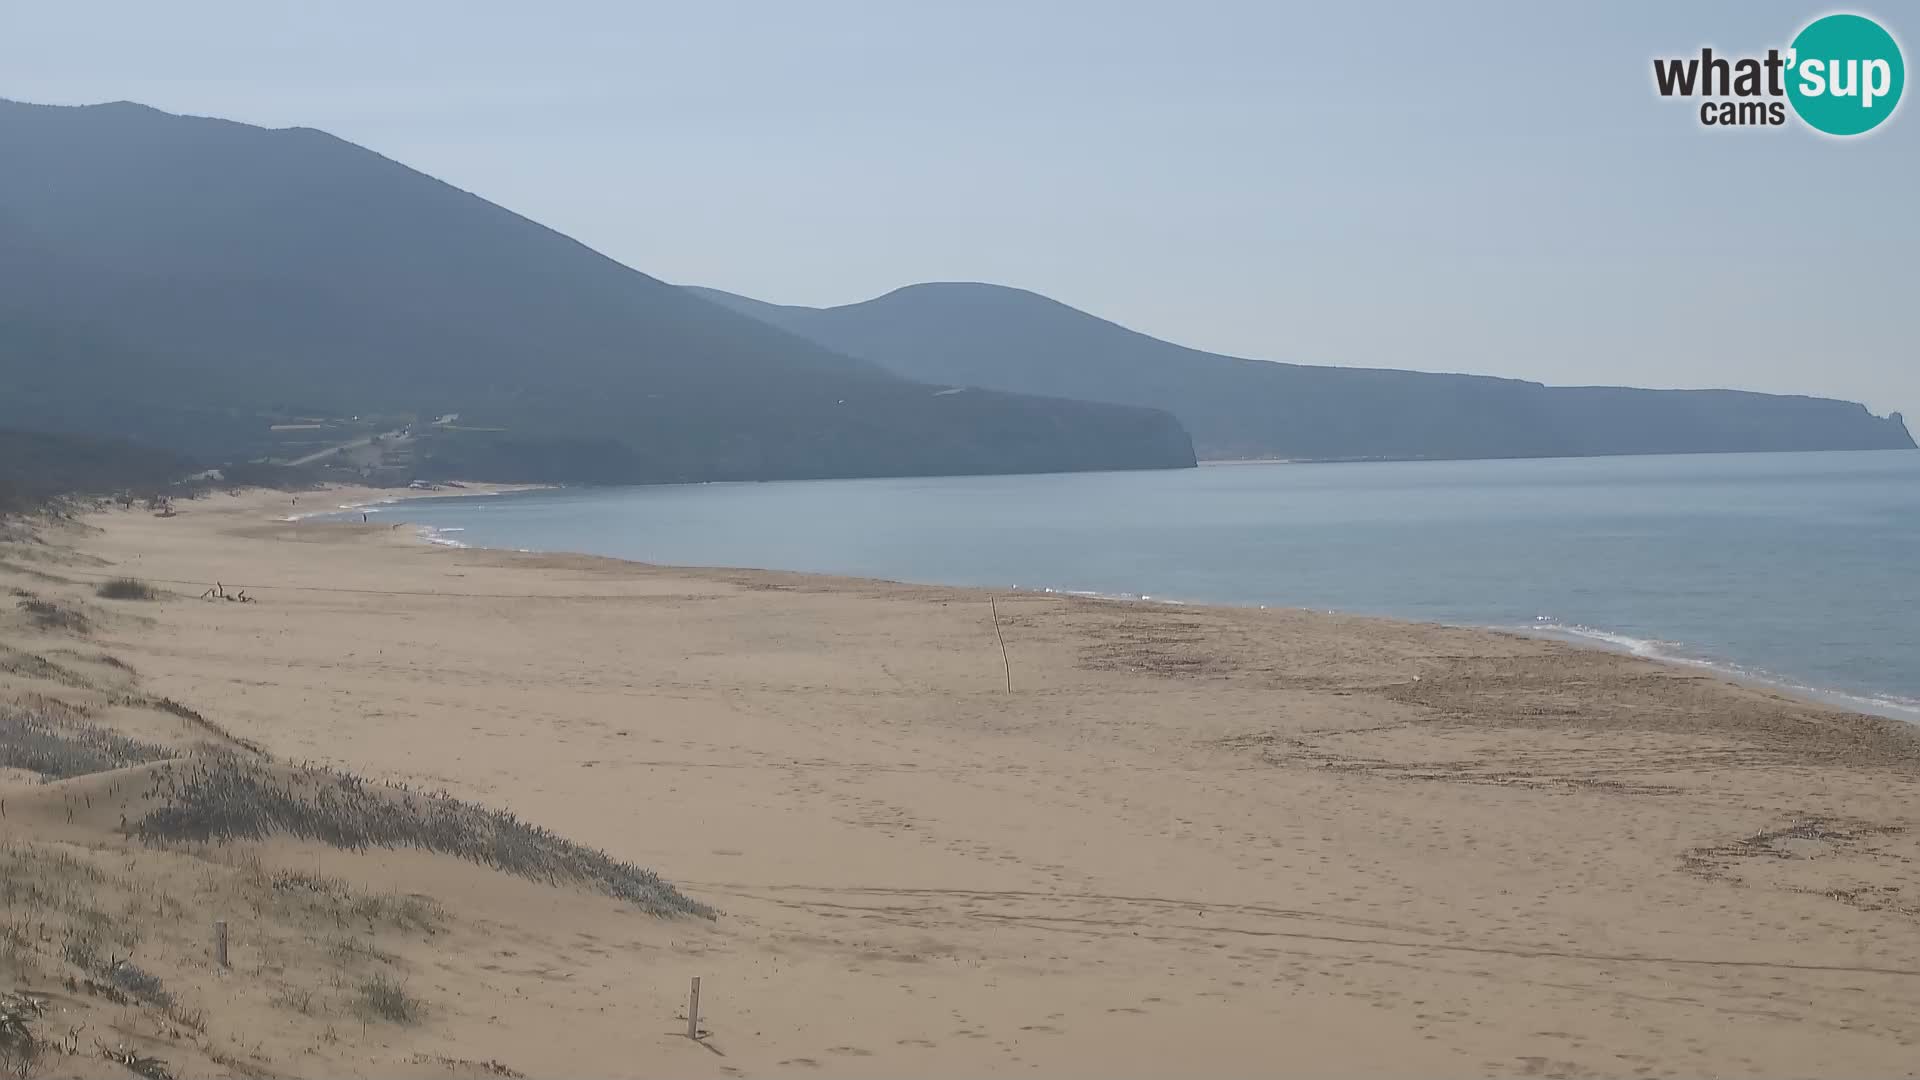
[981, 334]
[187, 281]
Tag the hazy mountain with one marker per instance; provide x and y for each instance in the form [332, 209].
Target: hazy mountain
[1010, 339]
[188, 281]
[35, 466]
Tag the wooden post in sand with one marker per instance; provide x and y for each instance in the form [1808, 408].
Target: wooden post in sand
[693, 1010]
[1005, 664]
[220, 942]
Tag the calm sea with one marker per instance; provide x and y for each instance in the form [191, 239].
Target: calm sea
[1798, 568]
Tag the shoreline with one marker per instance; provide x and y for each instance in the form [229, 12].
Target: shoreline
[463, 489]
[1870, 702]
[1143, 840]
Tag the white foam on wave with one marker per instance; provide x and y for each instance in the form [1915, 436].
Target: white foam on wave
[1091, 594]
[436, 536]
[1547, 626]
[341, 509]
[1893, 706]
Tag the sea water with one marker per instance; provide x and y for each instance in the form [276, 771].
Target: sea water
[1803, 569]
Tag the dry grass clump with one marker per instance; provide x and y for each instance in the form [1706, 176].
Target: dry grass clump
[294, 999]
[403, 911]
[127, 588]
[137, 1063]
[59, 747]
[18, 1014]
[26, 664]
[20, 1049]
[15, 948]
[82, 947]
[104, 659]
[408, 911]
[222, 797]
[47, 894]
[126, 931]
[139, 983]
[386, 999]
[173, 708]
[48, 615]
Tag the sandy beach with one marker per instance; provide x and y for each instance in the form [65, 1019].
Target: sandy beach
[1151, 841]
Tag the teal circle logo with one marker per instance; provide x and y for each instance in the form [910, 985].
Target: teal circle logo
[1845, 74]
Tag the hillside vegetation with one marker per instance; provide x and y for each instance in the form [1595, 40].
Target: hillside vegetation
[36, 466]
[197, 284]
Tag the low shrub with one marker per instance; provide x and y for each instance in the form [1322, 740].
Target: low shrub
[48, 615]
[126, 588]
[142, 984]
[386, 999]
[60, 748]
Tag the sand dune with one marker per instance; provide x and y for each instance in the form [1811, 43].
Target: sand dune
[1187, 841]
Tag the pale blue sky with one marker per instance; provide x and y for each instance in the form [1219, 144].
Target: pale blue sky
[1486, 188]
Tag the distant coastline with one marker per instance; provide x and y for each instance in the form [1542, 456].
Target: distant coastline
[1544, 457]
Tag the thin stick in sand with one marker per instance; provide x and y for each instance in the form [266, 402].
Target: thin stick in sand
[1005, 664]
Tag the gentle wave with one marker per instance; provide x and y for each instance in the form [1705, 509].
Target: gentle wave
[1092, 595]
[342, 511]
[438, 536]
[1673, 652]
[1547, 626]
